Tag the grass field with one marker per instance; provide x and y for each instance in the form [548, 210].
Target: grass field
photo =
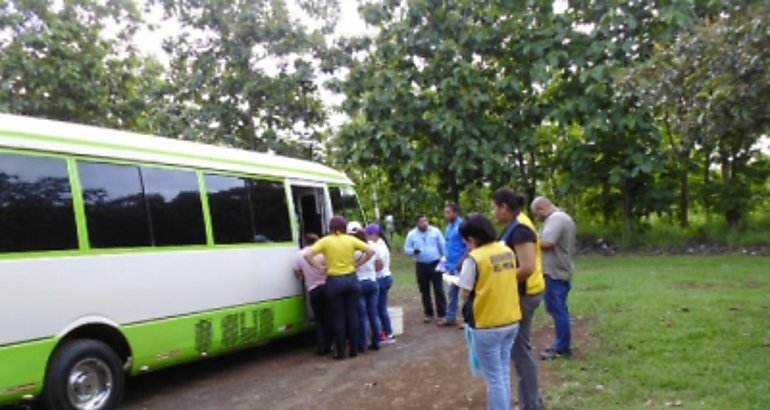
[664, 332]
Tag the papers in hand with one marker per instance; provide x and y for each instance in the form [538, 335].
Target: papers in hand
[452, 280]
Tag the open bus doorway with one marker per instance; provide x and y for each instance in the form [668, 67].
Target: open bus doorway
[312, 217]
[310, 208]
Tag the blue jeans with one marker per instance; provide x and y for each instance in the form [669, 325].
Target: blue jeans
[556, 292]
[367, 309]
[342, 296]
[493, 350]
[454, 291]
[384, 283]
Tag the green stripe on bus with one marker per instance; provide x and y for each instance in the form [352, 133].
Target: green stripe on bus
[162, 343]
[78, 204]
[203, 191]
[167, 342]
[23, 369]
[292, 215]
[100, 144]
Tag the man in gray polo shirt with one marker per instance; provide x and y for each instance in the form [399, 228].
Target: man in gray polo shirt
[557, 240]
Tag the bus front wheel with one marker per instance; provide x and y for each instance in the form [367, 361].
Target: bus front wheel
[84, 374]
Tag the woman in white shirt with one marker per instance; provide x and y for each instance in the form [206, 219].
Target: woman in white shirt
[367, 306]
[384, 279]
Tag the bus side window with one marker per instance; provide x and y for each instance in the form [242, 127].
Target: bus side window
[246, 210]
[271, 211]
[36, 211]
[129, 206]
[175, 208]
[345, 203]
[230, 210]
[116, 212]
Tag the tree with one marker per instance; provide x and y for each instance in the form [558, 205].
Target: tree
[75, 61]
[618, 149]
[711, 90]
[443, 98]
[244, 72]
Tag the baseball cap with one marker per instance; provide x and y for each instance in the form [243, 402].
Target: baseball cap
[354, 226]
[372, 229]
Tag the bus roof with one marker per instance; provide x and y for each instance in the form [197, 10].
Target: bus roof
[61, 137]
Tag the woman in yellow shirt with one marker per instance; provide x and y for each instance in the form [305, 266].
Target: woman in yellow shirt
[342, 289]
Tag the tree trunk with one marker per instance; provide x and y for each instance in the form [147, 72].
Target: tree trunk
[706, 181]
[732, 212]
[684, 200]
[454, 189]
[628, 217]
[528, 189]
[606, 209]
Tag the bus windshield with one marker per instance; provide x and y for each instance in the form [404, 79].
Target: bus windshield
[345, 203]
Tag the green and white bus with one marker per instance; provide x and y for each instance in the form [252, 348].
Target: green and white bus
[123, 253]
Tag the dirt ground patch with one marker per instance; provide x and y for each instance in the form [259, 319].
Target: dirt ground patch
[426, 369]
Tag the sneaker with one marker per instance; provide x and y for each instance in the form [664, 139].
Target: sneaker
[445, 322]
[552, 354]
[427, 319]
[387, 339]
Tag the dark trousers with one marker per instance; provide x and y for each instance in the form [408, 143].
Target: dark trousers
[342, 295]
[323, 329]
[427, 276]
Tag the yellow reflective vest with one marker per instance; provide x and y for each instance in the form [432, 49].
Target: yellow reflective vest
[496, 295]
[536, 281]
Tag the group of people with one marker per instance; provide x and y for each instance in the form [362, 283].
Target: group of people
[348, 279]
[502, 280]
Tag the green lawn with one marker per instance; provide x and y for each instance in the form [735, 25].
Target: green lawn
[689, 332]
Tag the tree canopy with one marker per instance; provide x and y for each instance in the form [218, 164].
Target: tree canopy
[457, 97]
[620, 110]
[75, 62]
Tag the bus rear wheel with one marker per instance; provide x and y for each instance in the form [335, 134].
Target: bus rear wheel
[84, 374]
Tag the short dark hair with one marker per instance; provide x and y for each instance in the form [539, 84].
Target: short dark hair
[454, 207]
[338, 224]
[513, 200]
[360, 235]
[478, 227]
[420, 216]
[310, 239]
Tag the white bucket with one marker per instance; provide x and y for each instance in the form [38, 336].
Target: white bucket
[396, 319]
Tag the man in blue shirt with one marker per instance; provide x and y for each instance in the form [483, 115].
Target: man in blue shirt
[455, 254]
[426, 245]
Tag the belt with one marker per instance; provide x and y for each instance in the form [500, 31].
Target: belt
[496, 327]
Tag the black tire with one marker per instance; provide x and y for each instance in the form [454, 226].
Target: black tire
[70, 359]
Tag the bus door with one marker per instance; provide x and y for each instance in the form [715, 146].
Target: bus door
[312, 217]
[310, 209]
